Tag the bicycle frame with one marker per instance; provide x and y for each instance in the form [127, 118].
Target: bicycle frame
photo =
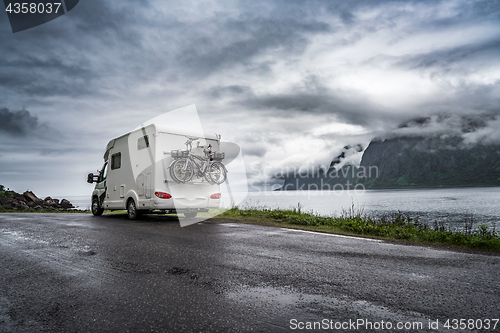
[203, 164]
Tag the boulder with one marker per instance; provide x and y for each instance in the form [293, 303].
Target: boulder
[66, 204]
[50, 202]
[28, 201]
[31, 197]
[20, 205]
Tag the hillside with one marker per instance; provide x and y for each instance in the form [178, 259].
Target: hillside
[431, 162]
[438, 151]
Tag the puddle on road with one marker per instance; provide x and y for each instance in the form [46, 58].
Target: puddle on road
[418, 277]
[20, 236]
[279, 298]
[271, 296]
[15, 218]
[71, 245]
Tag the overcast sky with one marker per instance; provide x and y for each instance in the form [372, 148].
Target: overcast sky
[292, 82]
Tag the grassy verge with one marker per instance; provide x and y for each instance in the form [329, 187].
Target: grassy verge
[397, 227]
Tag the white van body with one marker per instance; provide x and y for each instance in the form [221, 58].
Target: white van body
[136, 168]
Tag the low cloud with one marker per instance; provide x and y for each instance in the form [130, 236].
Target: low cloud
[488, 134]
[255, 149]
[470, 129]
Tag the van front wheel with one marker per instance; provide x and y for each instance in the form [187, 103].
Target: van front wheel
[97, 210]
[132, 211]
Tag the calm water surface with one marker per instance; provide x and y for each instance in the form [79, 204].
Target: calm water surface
[448, 206]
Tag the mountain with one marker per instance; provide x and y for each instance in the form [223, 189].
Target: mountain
[430, 162]
[338, 176]
[436, 151]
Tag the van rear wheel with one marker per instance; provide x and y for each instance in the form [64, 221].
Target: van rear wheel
[132, 211]
[97, 210]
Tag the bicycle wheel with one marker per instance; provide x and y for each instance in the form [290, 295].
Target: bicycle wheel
[217, 173]
[181, 170]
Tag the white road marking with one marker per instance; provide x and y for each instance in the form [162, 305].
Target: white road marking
[334, 235]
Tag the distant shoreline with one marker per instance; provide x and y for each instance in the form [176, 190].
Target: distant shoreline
[394, 188]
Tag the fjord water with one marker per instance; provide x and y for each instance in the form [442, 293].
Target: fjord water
[445, 205]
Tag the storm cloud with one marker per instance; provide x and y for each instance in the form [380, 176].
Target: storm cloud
[21, 124]
[290, 81]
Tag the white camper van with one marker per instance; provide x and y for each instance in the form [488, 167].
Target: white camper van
[137, 174]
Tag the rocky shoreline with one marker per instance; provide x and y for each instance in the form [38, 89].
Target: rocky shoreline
[28, 201]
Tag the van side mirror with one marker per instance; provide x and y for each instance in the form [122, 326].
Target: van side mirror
[90, 178]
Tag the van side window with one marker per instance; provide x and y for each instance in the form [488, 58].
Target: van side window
[143, 142]
[116, 161]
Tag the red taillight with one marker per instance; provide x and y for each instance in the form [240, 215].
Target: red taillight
[163, 195]
[215, 196]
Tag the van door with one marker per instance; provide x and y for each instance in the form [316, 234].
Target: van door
[140, 185]
[116, 188]
[148, 182]
[101, 184]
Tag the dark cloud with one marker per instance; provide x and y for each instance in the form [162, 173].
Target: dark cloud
[21, 124]
[233, 90]
[277, 68]
[254, 150]
[472, 98]
[79, 54]
[249, 37]
[44, 77]
[123, 45]
[315, 98]
[55, 152]
[464, 59]
[471, 129]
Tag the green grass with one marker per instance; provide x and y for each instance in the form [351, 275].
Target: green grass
[397, 227]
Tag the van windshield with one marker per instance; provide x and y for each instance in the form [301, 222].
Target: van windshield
[103, 173]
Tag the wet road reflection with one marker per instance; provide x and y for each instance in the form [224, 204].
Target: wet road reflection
[76, 272]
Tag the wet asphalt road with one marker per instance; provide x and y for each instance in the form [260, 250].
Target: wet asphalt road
[78, 273]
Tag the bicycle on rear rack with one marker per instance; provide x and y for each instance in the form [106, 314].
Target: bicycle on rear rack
[187, 164]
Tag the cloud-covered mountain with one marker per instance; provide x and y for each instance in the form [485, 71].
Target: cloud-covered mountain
[435, 151]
